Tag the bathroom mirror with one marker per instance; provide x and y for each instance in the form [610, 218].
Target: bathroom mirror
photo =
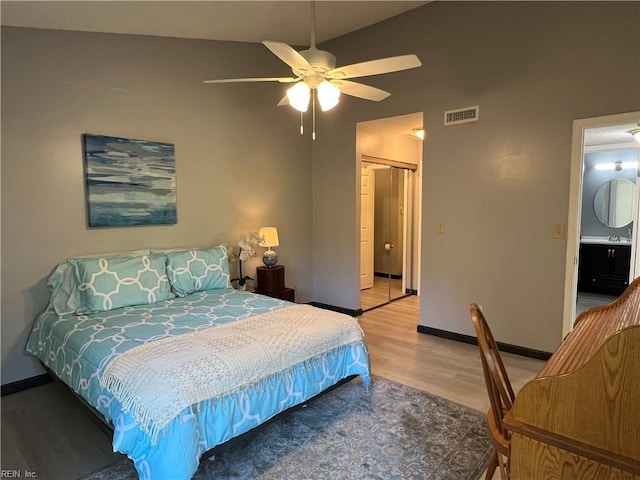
[613, 203]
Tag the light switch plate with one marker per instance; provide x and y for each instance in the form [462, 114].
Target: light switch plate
[558, 231]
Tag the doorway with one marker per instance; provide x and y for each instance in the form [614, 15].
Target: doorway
[603, 213]
[385, 224]
[389, 158]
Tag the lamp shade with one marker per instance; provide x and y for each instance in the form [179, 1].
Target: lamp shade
[328, 95]
[299, 96]
[269, 237]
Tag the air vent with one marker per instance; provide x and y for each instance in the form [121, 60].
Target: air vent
[461, 115]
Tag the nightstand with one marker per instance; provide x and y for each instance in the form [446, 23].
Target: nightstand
[271, 283]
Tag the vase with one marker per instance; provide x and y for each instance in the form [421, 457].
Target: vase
[241, 287]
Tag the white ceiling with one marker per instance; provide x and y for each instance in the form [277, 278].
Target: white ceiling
[615, 135]
[400, 125]
[243, 21]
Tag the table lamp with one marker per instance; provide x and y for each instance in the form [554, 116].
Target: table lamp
[269, 238]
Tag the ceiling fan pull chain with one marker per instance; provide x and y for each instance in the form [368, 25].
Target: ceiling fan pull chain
[301, 124]
[313, 112]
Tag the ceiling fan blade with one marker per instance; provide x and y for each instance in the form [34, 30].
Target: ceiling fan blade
[289, 56]
[375, 67]
[360, 90]
[260, 79]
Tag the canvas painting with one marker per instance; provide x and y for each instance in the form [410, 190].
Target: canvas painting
[129, 182]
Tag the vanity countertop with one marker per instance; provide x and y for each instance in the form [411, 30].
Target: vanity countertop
[604, 240]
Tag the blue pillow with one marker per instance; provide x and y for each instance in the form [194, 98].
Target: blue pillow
[108, 283]
[192, 271]
[63, 284]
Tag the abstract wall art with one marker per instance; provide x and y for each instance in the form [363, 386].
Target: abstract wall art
[129, 182]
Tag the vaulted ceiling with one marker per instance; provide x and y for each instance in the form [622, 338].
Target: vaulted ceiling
[243, 21]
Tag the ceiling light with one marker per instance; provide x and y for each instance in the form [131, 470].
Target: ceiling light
[328, 95]
[636, 134]
[616, 165]
[299, 96]
[418, 132]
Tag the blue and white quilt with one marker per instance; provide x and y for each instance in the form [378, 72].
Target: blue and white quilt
[80, 348]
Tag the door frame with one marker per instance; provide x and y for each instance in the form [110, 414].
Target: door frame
[575, 210]
[367, 257]
[380, 141]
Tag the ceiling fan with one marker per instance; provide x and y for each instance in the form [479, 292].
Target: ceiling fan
[315, 76]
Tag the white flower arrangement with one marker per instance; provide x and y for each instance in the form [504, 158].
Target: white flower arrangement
[247, 245]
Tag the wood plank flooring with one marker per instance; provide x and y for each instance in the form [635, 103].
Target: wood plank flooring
[587, 300]
[45, 430]
[443, 367]
[48, 432]
[381, 292]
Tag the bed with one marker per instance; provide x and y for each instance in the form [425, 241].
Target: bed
[176, 361]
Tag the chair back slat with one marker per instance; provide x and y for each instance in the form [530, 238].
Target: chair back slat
[501, 395]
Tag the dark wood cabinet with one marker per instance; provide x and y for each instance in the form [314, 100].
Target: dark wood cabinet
[271, 283]
[604, 268]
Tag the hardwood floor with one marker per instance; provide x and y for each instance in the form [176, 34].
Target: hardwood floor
[48, 433]
[587, 300]
[45, 430]
[383, 289]
[443, 367]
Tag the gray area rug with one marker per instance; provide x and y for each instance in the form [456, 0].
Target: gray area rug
[389, 432]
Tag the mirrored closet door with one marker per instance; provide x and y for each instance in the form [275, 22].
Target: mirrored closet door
[386, 234]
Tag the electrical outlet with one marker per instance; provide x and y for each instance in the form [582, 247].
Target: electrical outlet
[558, 231]
[440, 227]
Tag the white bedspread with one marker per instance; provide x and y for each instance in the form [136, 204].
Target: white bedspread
[157, 381]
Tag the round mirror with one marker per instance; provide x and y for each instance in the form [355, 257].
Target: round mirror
[613, 203]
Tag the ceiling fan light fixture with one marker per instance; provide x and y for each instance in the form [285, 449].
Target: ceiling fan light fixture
[419, 133]
[299, 96]
[328, 95]
[636, 133]
[315, 76]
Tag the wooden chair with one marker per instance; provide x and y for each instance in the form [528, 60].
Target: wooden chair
[501, 394]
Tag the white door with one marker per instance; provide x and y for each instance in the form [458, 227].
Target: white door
[366, 227]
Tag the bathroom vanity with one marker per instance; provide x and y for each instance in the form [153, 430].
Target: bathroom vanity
[604, 265]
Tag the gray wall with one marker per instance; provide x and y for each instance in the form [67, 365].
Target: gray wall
[499, 184]
[240, 161]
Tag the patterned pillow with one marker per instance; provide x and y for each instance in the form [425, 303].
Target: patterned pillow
[109, 283]
[63, 285]
[196, 270]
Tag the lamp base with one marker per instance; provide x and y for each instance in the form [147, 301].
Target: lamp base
[270, 258]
